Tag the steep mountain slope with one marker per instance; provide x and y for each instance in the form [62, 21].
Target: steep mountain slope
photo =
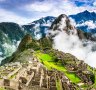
[10, 36]
[85, 21]
[60, 23]
[45, 68]
[67, 38]
[12, 33]
[63, 23]
[39, 27]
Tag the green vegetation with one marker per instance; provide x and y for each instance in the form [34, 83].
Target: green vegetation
[45, 43]
[49, 62]
[43, 57]
[13, 76]
[58, 85]
[1, 88]
[94, 72]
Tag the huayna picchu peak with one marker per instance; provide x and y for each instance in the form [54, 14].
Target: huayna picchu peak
[63, 23]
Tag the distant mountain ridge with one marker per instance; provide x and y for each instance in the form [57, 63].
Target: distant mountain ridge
[85, 21]
[12, 33]
[10, 36]
[39, 27]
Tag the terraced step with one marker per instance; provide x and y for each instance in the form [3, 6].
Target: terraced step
[36, 77]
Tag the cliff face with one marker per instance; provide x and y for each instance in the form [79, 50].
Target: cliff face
[63, 23]
[10, 36]
[25, 42]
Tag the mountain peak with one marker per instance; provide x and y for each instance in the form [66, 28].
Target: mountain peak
[44, 20]
[63, 16]
[25, 42]
[62, 23]
[86, 11]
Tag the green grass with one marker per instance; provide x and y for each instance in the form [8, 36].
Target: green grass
[58, 85]
[13, 76]
[48, 61]
[72, 76]
[1, 88]
[45, 57]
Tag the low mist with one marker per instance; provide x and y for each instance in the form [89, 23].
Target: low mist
[83, 50]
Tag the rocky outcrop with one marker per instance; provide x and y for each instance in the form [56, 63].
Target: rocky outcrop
[63, 23]
[25, 42]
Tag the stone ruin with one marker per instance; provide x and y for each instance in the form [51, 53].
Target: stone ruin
[34, 76]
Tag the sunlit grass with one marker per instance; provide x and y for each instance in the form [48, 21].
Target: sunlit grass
[1, 88]
[45, 57]
[48, 61]
[72, 76]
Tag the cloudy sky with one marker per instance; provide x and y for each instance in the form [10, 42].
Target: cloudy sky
[25, 11]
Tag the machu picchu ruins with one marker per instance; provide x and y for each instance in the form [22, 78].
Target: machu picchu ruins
[34, 75]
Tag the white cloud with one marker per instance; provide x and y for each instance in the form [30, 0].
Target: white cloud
[1, 53]
[44, 8]
[70, 43]
[89, 23]
[1, 59]
[39, 7]
[94, 3]
[57, 7]
[7, 16]
[51, 7]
